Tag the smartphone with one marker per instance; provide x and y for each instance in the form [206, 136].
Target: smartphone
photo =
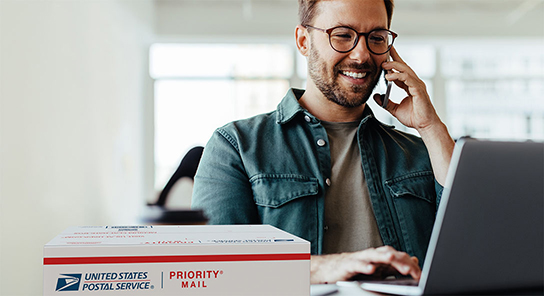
[388, 90]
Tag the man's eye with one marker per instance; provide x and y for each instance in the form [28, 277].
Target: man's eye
[377, 39]
[342, 36]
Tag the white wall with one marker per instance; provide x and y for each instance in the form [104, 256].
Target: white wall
[74, 99]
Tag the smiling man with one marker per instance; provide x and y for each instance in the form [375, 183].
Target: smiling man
[322, 167]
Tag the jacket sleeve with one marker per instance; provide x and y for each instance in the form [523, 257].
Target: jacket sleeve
[222, 189]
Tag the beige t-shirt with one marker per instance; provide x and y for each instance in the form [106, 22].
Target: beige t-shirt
[350, 224]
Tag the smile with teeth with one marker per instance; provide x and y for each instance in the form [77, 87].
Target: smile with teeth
[356, 75]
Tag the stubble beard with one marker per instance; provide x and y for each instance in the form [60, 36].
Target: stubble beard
[331, 89]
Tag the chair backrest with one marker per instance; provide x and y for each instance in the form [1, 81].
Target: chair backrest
[186, 168]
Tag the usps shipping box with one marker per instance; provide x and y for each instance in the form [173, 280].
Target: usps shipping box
[176, 260]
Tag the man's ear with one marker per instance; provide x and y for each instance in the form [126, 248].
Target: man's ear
[302, 40]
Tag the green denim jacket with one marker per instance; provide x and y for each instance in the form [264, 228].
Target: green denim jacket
[272, 169]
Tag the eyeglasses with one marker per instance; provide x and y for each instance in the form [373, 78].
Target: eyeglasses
[344, 39]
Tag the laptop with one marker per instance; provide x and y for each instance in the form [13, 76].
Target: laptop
[488, 235]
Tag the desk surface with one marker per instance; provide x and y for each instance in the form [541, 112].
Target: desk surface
[342, 289]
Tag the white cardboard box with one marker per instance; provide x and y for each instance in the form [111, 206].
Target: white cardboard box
[176, 260]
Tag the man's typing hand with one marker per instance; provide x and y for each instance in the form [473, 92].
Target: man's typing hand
[380, 262]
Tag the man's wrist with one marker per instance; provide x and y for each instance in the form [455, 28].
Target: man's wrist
[316, 269]
[327, 269]
[437, 128]
[440, 146]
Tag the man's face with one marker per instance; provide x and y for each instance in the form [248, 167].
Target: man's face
[347, 79]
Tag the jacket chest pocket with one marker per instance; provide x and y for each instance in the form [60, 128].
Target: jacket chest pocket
[414, 200]
[288, 202]
[276, 190]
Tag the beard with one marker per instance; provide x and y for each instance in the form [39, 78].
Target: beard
[355, 96]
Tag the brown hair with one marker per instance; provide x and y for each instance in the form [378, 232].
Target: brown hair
[307, 10]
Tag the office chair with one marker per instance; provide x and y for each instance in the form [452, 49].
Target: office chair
[159, 213]
[186, 168]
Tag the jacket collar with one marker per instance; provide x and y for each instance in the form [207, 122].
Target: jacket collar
[289, 107]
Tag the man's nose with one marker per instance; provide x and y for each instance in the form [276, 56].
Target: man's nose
[360, 53]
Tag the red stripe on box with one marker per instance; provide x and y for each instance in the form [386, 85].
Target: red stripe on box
[174, 259]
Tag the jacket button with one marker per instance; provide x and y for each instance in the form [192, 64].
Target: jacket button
[328, 181]
[307, 118]
[320, 142]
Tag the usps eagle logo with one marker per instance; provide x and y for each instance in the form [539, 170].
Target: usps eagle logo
[68, 282]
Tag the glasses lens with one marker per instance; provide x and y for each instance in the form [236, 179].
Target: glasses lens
[379, 41]
[343, 38]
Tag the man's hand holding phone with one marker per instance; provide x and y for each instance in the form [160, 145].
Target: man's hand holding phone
[416, 109]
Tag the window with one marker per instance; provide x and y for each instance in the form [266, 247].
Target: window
[200, 87]
[494, 89]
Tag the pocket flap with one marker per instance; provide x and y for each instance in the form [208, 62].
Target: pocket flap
[420, 184]
[274, 190]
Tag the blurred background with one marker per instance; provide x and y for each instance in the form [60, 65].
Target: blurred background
[101, 99]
